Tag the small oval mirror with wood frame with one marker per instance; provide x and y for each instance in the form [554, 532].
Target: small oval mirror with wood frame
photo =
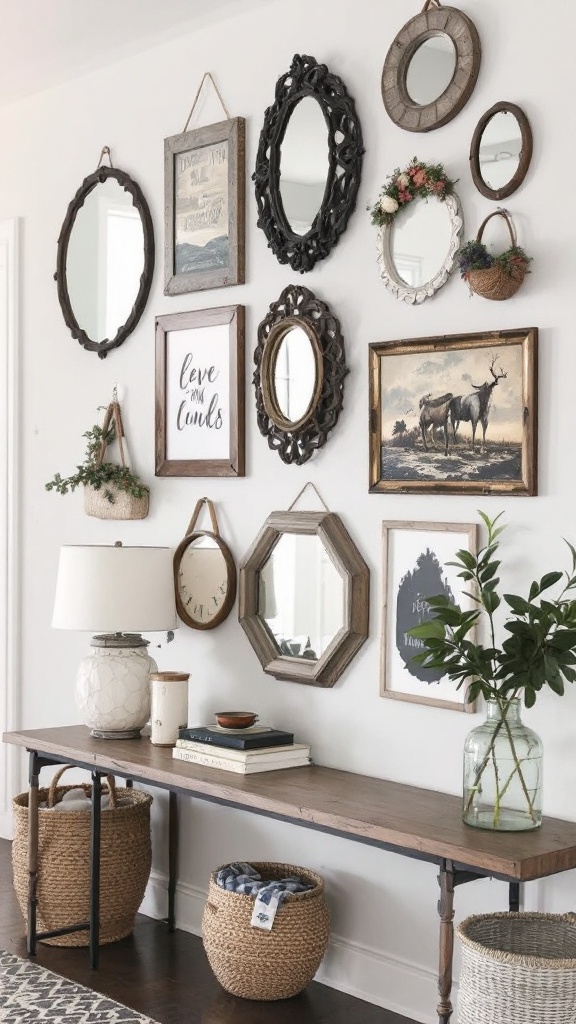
[105, 259]
[431, 68]
[299, 375]
[501, 151]
[304, 590]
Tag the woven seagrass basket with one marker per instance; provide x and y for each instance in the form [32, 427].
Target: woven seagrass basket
[124, 506]
[63, 888]
[518, 968]
[494, 282]
[257, 964]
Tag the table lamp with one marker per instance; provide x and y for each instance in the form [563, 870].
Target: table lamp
[116, 592]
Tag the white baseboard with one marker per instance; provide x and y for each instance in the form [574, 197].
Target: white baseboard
[350, 967]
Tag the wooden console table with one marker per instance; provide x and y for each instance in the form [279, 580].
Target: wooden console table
[407, 820]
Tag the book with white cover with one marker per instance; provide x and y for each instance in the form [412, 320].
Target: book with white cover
[261, 753]
[226, 764]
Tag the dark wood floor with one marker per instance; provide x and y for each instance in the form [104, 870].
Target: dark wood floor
[168, 977]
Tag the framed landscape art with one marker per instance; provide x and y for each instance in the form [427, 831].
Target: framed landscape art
[200, 393]
[455, 414]
[204, 208]
[414, 557]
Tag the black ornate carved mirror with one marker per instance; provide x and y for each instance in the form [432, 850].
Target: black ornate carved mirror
[299, 375]
[105, 260]
[304, 590]
[431, 68]
[308, 164]
[501, 150]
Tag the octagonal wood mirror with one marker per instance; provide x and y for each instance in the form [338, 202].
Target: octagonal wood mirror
[304, 590]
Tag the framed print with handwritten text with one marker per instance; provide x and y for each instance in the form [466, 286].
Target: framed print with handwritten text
[200, 393]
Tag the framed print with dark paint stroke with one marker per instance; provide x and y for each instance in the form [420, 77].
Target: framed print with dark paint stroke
[414, 557]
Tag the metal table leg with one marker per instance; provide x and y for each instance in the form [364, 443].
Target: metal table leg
[33, 772]
[95, 872]
[172, 857]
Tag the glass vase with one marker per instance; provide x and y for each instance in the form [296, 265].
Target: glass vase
[503, 771]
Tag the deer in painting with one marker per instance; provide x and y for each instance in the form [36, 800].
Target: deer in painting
[434, 413]
[474, 408]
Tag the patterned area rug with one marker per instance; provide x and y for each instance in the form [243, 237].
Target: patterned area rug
[29, 993]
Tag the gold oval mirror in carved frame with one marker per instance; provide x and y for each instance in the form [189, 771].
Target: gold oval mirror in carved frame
[299, 376]
[304, 597]
[431, 68]
[501, 150]
[204, 574]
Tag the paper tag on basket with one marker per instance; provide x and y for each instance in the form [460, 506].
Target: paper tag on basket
[264, 913]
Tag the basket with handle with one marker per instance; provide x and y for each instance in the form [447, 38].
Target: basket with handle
[274, 964]
[495, 282]
[124, 505]
[63, 887]
[518, 968]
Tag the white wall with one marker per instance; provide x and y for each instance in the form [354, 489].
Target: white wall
[383, 906]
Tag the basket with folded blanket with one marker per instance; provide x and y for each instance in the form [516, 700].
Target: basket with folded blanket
[64, 858]
[265, 928]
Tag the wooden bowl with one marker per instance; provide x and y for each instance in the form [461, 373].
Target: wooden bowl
[235, 719]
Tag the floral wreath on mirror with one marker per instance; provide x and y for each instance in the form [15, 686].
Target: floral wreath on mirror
[418, 181]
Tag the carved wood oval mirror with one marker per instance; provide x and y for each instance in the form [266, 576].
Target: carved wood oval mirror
[308, 164]
[304, 590]
[299, 375]
[105, 260]
[431, 68]
[501, 150]
[416, 251]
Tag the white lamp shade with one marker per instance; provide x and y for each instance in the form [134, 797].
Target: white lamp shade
[114, 589]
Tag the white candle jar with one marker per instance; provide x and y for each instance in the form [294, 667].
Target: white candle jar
[169, 706]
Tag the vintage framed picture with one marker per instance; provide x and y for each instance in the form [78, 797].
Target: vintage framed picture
[455, 415]
[414, 557]
[204, 186]
[200, 393]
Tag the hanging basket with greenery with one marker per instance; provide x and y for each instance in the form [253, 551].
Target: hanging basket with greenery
[489, 275]
[111, 490]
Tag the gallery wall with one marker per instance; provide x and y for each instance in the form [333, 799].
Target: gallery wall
[383, 906]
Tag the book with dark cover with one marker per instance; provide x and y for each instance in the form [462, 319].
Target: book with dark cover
[242, 741]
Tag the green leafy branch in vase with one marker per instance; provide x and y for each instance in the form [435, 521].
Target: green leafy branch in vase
[539, 650]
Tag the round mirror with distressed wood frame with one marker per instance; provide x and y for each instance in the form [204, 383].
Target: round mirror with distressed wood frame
[515, 145]
[304, 590]
[84, 271]
[306, 78]
[296, 440]
[435, 24]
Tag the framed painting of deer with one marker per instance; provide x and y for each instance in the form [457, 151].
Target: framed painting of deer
[455, 414]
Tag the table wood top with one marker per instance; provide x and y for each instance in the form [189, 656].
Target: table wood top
[424, 822]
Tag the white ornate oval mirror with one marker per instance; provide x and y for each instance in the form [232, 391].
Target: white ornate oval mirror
[431, 69]
[501, 151]
[304, 165]
[301, 596]
[416, 251]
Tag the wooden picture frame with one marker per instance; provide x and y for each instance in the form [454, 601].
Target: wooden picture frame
[439, 423]
[204, 207]
[200, 393]
[414, 557]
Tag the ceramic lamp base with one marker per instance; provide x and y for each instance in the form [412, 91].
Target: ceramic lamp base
[113, 686]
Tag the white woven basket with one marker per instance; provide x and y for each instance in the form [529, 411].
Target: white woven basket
[518, 969]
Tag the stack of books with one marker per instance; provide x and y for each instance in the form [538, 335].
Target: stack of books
[257, 749]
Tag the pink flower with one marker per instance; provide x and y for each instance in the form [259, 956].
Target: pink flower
[420, 177]
[439, 186]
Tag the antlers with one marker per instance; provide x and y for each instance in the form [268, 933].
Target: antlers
[496, 376]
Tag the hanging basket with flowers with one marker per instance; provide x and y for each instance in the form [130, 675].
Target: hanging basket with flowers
[493, 276]
[418, 181]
